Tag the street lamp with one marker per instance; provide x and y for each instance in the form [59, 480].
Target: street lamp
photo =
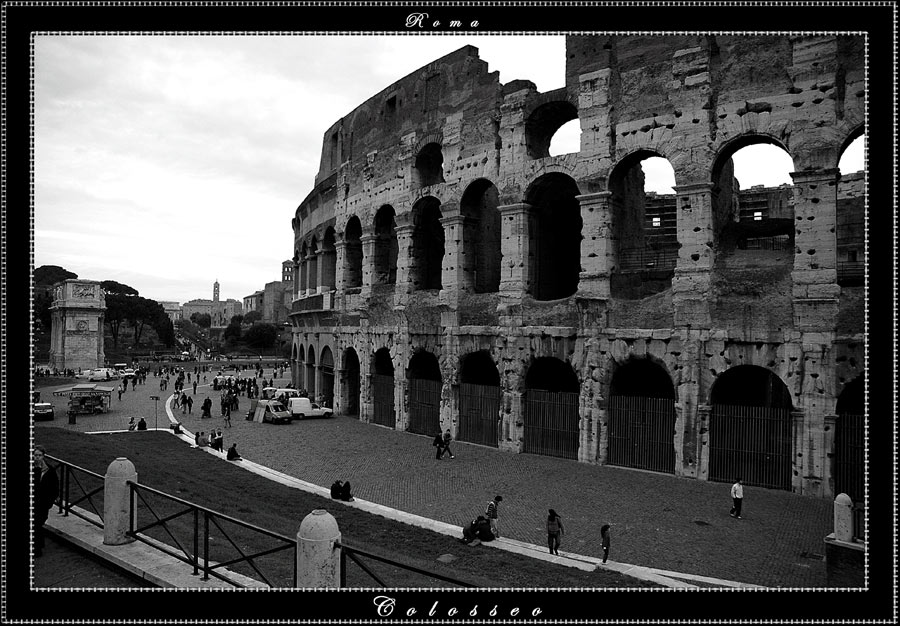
[155, 412]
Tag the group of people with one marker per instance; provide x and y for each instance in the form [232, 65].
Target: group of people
[140, 425]
[441, 444]
[340, 490]
[216, 441]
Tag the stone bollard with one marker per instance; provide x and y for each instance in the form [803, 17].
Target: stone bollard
[117, 502]
[318, 561]
[843, 518]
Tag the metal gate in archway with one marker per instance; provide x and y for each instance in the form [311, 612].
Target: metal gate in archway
[849, 456]
[479, 414]
[753, 443]
[383, 400]
[641, 433]
[551, 423]
[424, 406]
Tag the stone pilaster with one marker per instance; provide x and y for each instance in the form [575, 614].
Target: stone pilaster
[514, 244]
[511, 425]
[828, 449]
[692, 283]
[704, 411]
[405, 263]
[312, 273]
[815, 288]
[799, 464]
[596, 246]
[453, 275]
[367, 241]
[339, 249]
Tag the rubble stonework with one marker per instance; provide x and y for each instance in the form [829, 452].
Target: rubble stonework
[440, 226]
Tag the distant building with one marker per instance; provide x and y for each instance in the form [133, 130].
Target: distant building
[254, 302]
[172, 309]
[220, 313]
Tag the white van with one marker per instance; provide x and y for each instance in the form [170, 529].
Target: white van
[103, 373]
[271, 412]
[302, 408]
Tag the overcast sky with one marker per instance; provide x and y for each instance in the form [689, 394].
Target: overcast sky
[167, 163]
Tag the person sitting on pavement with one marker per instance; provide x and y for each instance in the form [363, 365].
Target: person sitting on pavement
[142, 425]
[478, 531]
[203, 440]
[336, 489]
[345, 492]
[232, 454]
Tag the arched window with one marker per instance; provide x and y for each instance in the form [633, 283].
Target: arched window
[430, 165]
[542, 125]
[554, 231]
[427, 245]
[386, 248]
[481, 236]
[353, 255]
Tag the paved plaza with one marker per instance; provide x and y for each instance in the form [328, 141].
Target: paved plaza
[657, 520]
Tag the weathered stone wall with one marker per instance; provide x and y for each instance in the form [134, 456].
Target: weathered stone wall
[76, 331]
[451, 132]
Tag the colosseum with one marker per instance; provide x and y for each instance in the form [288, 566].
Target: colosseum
[451, 274]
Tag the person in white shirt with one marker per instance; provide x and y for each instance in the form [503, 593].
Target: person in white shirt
[737, 498]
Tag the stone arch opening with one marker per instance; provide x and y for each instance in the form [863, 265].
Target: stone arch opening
[311, 371]
[751, 428]
[326, 376]
[481, 236]
[329, 260]
[850, 441]
[429, 165]
[425, 383]
[644, 231]
[567, 139]
[554, 233]
[350, 382]
[479, 399]
[641, 417]
[851, 212]
[752, 202]
[542, 125]
[382, 386]
[551, 409]
[313, 267]
[353, 254]
[427, 252]
[386, 247]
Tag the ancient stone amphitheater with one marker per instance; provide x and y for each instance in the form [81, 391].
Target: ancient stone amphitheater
[451, 274]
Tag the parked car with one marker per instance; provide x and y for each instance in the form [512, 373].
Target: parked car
[43, 411]
[128, 373]
[102, 373]
[271, 412]
[302, 408]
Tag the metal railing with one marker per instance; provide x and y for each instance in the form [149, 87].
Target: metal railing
[356, 555]
[197, 554]
[72, 477]
[647, 259]
[851, 271]
[774, 242]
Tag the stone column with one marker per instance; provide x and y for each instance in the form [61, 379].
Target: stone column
[405, 263]
[704, 412]
[692, 283]
[799, 463]
[367, 240]
[597, 254]
[828, 445]
[320, 272]
[339, 249]
[318, 552]
[514, 245]
[312, 273]
[302, 280]
[453, 275]
[815, 288]
[118, 505]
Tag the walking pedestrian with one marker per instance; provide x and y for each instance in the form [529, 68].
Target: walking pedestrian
[438, 443]
[195, 387]
[120, 391]
[46, 488]
[227, 419]
[737, 498]
[445, 445]
[190, 404]
[554, 531]
[604, 536]
[492, 514]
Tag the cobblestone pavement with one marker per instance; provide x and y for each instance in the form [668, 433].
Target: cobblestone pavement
[656, 520]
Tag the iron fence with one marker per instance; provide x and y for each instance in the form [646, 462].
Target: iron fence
[753, 443]
[168, 519]
[641, 433]
[551, 423]
[383, 400]
[73, 478]
[647, 259]
[424, 406]
[851, 272]
[479, 414]
[775, 242]
[356, 556]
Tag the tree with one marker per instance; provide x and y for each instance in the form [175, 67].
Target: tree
[203, 320]
[233, 332]
[261, 336]
[111, 286]
[48, 275]
[116, 312]
[237, 319]
[252, 317]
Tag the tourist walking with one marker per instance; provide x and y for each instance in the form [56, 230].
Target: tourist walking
[195, 387]
[190, 403]
[492, 514]
[604, 537]
[554, 531]
[737, 498]
[438, 443]
[46, 489]
[227, 419]
[445, 445]
[120, 390]
[205, 408]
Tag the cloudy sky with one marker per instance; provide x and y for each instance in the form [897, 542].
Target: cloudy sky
[167, 163]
